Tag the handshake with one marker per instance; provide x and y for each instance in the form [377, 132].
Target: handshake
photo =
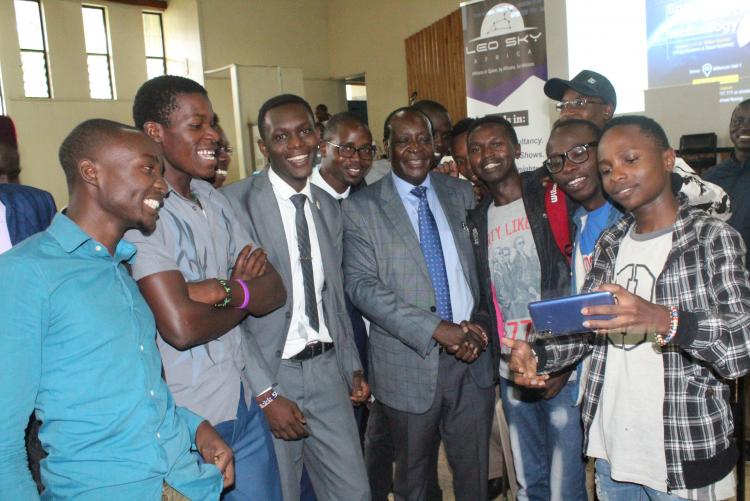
[465, 341]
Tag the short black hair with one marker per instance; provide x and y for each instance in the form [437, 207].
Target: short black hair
[339, 119]
[10, 165]
[157, 98]
[407, 109]
[429, 105]
[648, 127]
[277, 101]
[461, 127]
[577, 122]
[495, 120]
[84, 140]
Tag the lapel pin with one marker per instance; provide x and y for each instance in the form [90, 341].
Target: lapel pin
[464, 227]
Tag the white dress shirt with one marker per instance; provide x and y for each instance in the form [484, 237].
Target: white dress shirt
[5, 243]
[317, 179]
[300, 333]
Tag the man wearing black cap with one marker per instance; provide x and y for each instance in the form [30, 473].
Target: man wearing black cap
[590, 95]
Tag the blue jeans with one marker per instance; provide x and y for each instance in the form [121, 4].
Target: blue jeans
[608, 489]
[255, 466]
[546, 437]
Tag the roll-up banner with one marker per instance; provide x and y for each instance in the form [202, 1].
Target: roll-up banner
[505, 62]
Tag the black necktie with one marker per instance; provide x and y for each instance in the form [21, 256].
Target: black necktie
[305, 258]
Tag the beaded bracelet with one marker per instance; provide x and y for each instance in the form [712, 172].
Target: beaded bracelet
[227, 290]
[246, 301]
[674, 320]
[270, 398]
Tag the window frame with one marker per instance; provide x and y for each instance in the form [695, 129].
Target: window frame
[108, 54]
[163, 58]
[44, 50]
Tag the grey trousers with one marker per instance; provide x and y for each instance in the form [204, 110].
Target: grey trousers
[461, 415]
[332, 452]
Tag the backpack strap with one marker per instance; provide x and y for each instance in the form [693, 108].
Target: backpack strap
[556, 207]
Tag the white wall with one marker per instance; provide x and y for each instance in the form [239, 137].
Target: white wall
[42, 124]
[285, 34]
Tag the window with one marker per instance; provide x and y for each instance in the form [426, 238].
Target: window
[33, 45]
[97, 52]
[154, 37]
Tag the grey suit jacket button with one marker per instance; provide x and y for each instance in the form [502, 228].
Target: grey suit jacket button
[433, 309]
[288, 314]
[278, 353]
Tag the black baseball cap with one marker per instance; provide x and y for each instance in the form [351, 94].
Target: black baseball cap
[587, 82]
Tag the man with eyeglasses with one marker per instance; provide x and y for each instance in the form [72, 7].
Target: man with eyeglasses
[590, 96]
[346, 153]
[346, 157]
[512, 225]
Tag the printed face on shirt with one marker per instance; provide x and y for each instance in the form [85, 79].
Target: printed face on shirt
[492, 153]
[189, 139]
[739, 128]
[291, 142]
[410, 146]
[595, 110]
[579, 181]
[635, 170]
[129, 172]
[346, 171]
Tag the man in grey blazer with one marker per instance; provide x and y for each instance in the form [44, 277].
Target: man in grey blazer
[301, 359]
[410, 269]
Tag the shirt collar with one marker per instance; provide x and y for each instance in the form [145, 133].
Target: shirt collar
[404, 187]
[197, 186]
[282, 188]
[318, 180]
[71, 237]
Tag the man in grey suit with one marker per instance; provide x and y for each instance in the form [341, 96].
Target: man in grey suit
[410, 269]
[301, 358]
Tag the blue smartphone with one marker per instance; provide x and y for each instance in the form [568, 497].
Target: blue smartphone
[562, 315]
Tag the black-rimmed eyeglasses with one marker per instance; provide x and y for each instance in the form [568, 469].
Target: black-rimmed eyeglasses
[576, 104]
[366, 152]
[577, 155]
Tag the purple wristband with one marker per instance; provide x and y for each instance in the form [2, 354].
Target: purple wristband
[245, 301]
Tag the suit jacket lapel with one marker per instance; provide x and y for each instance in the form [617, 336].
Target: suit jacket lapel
[269, 219]
[455, 213]
[394, 210]
[9, 201]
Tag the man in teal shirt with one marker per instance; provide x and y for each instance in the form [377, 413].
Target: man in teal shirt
[78, 343]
